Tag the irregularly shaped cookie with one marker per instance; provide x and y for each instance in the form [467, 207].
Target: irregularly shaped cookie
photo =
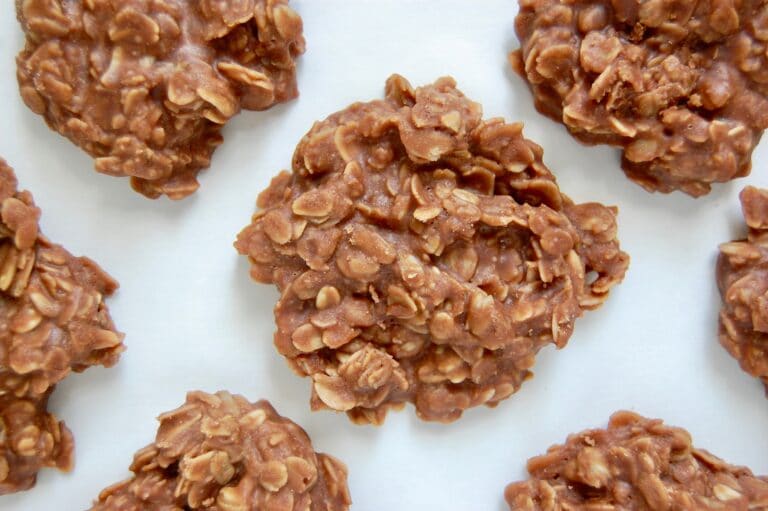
[424, 255]
[742, 277]
[145, 86]
[221, 453]
[53, 321]
[637, 464]
[680, 86]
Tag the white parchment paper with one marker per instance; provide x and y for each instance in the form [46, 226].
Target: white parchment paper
[194, 320]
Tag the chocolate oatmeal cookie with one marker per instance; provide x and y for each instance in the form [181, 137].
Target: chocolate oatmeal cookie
[680, 86]
[146, 86]
[637, 464]
[54, 322]
[742, 277]
[424, 255]
[221, 453]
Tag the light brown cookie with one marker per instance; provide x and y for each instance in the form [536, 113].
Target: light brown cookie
[53, 321]
[681, 87]
[637, 464]
[221, 453]
[146, 86]
[742, 277]
[424, 255]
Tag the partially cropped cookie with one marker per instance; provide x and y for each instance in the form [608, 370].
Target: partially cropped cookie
[219, 452]
[742, 277]
[637, 464]
[146, 86]
[681, 87]
[54, 322]
[424, 255]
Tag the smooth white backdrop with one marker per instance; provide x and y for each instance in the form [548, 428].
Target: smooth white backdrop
[194, 320]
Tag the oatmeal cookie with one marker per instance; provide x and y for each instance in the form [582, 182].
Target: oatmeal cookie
[742, 277]
[680, 86]
[637, 464]
[53, 321]
[424, 255]
[221, 453]
[145, 86]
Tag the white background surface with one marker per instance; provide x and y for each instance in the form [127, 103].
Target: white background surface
[194, 320]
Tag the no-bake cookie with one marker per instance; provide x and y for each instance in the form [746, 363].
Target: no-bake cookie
[221, 453]
[53, 321]
[637, 464]
[145, 86]
[742, 277]
[424, 255]
[680, 86]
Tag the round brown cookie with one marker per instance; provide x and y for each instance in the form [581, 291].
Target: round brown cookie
[680, 86]
[145, 86]
[424, 255]
[742, 277]
[221, 453]
[637, 464]
[53, 321]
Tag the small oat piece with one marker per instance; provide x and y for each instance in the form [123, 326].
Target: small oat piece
[682, 87]
[146, 86]
[637, 464]
[424, 255]
[742, 277]
[53, 321]
[221, 453]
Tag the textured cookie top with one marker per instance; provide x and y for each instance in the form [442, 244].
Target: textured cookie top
[681, 86]
[424, 255]
[221, 453]
[145, 86]
[742, 277]
[637, 464]
[54, 321]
